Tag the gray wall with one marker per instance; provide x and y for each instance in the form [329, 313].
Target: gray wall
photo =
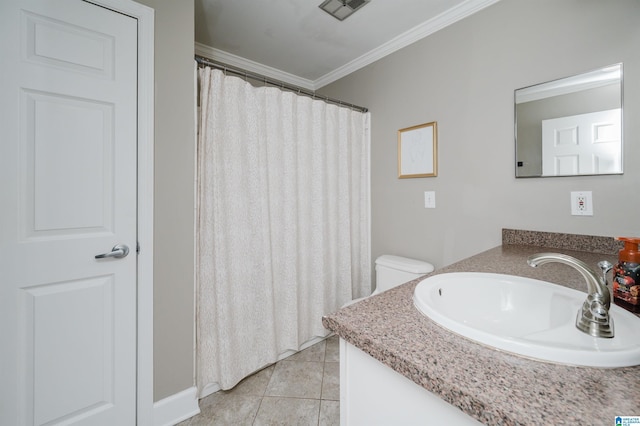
[174, 202]
[463, 77]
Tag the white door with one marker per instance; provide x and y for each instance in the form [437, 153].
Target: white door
[583, 144]
[68, 193]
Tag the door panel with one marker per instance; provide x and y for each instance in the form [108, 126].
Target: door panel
[57, 43]
[60, 203]
[582, 144]
[59, 392]
[68, 185]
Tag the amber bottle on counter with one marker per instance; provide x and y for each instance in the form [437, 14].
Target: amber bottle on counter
[626, 275]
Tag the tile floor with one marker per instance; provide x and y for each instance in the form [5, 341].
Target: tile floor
[303, 389]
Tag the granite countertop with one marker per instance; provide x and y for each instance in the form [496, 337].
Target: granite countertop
[496, 388]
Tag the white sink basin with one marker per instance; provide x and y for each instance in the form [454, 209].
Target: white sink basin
[527, 317]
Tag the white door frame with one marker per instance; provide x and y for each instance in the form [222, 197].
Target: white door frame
[145, 17]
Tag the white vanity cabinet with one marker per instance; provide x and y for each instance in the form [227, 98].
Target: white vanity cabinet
[373, 394]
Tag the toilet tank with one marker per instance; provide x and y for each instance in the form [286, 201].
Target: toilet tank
[392, 271]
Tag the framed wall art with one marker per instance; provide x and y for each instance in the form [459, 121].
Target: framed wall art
[417, 151]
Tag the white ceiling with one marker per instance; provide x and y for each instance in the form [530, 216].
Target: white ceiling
[297, 42]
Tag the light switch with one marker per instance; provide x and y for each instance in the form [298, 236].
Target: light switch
[429, 200]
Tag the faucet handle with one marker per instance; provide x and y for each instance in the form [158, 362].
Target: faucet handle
[605, 267]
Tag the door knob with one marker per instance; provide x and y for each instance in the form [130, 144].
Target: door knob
[118, 252]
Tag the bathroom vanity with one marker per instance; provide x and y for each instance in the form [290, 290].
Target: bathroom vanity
[421, 370]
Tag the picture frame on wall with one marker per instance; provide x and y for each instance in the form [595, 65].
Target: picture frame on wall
[417, 151]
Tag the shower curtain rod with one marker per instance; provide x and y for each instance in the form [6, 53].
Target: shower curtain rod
[266, 80]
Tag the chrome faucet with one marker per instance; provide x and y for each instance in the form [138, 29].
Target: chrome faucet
[593, 317]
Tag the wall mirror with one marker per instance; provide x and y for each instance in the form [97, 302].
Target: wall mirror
[571, 126]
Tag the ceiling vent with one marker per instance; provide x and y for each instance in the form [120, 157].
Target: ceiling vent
[342, 9]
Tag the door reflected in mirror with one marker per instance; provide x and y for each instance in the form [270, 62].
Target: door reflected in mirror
[571, 126]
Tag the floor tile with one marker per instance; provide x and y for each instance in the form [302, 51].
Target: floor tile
[296, 379]
[329, 413]
[256, 384]
[331, 381]
[312, 353]
[303, 389]
[332, 353]
[226, 409]
[288, 411]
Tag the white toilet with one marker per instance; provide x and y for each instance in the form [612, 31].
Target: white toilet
[391, 271]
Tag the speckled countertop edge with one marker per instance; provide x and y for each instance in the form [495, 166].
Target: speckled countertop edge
[496, 388]
[588, 243]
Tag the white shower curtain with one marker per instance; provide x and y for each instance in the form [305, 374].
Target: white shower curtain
[283, 223]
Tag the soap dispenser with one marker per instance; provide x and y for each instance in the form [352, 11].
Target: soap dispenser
[626, 275]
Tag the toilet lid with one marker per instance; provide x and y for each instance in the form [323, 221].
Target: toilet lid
[404, 264]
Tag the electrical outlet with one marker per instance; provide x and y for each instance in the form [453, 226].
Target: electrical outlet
[429, 199]
[581, 203]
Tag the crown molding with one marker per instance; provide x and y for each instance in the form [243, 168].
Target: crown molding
[226, 58]
[461, 11]
[418, 32]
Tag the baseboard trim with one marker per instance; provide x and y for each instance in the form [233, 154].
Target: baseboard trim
[176, 408]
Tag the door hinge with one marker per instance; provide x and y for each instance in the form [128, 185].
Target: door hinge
[137, 247]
